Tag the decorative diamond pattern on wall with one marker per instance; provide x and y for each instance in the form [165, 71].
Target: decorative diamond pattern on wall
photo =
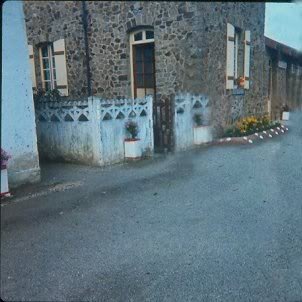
[124, 108]
[63, 111]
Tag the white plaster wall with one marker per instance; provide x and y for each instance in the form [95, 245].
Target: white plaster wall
[113, 134]
[71, 141]
[18, 131]
[94, 142]
[68, 141]
[183, 118]
[184, 126]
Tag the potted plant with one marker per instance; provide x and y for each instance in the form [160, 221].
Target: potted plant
[4, 180]
[285, 113]
[132, 144]
[201, 134]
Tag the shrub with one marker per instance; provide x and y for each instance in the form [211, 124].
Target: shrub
[285, 108]
[132, 128]
[49, 95]
[250, 125]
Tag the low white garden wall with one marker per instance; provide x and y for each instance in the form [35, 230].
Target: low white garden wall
[186, 106]
[93, 131]
[113, 116]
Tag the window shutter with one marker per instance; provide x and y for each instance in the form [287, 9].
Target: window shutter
[60, 65]
[247, 58]
[32, 65]
[230, 56]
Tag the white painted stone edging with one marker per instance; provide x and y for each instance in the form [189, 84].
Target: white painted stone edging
[250, 138]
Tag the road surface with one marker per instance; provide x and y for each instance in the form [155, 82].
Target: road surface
[220, 223]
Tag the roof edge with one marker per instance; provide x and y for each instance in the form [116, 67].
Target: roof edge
[290, 51]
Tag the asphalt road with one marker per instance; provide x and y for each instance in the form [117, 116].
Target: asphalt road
[219, 223]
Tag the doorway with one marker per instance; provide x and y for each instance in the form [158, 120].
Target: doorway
[143, 70]
[143, 83]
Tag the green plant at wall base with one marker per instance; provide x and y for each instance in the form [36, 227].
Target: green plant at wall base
[132, 128]
[285, 108]
[49, 95]
[197, 119]
[53, 94]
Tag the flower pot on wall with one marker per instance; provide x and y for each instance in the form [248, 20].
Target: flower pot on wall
[202, 134]
[133, 148]
[285, 115]
[4, 181]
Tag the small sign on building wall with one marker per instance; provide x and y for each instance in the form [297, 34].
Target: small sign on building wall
[238, 91]
[282, 64]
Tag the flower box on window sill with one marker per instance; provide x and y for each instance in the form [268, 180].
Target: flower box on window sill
[132, 148]
[202, 134]
[238, 91]
[4, 181]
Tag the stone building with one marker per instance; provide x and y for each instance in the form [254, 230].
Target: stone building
[129, 49]
[18, 127]
[285, 77]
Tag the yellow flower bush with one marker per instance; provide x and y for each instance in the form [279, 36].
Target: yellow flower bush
[247, 123]
[251, 124]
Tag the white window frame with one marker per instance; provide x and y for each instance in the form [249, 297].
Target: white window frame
[144, 40]
[52, 68]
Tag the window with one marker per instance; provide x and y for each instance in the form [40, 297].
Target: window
[142, 36]
[48, 67]
[144, 67]
[149, 34]
[238, 57]
[138, 36]
[53, 66]
[142, 63]
[236, 42]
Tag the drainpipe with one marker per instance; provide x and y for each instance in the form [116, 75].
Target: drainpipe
[85, 27]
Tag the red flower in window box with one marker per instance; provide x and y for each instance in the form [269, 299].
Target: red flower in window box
[240, 81]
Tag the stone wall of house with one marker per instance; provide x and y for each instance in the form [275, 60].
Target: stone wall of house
[286, 83]
[190, 50]
[292, 80]
[49, 21]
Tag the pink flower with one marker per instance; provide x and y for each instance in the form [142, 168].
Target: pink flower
[4, 158]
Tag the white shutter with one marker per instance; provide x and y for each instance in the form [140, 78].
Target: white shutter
[32, 65]
[247, 59]
[230, 56]
[60, 65]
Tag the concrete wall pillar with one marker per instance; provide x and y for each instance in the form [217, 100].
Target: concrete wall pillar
[18, 131]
